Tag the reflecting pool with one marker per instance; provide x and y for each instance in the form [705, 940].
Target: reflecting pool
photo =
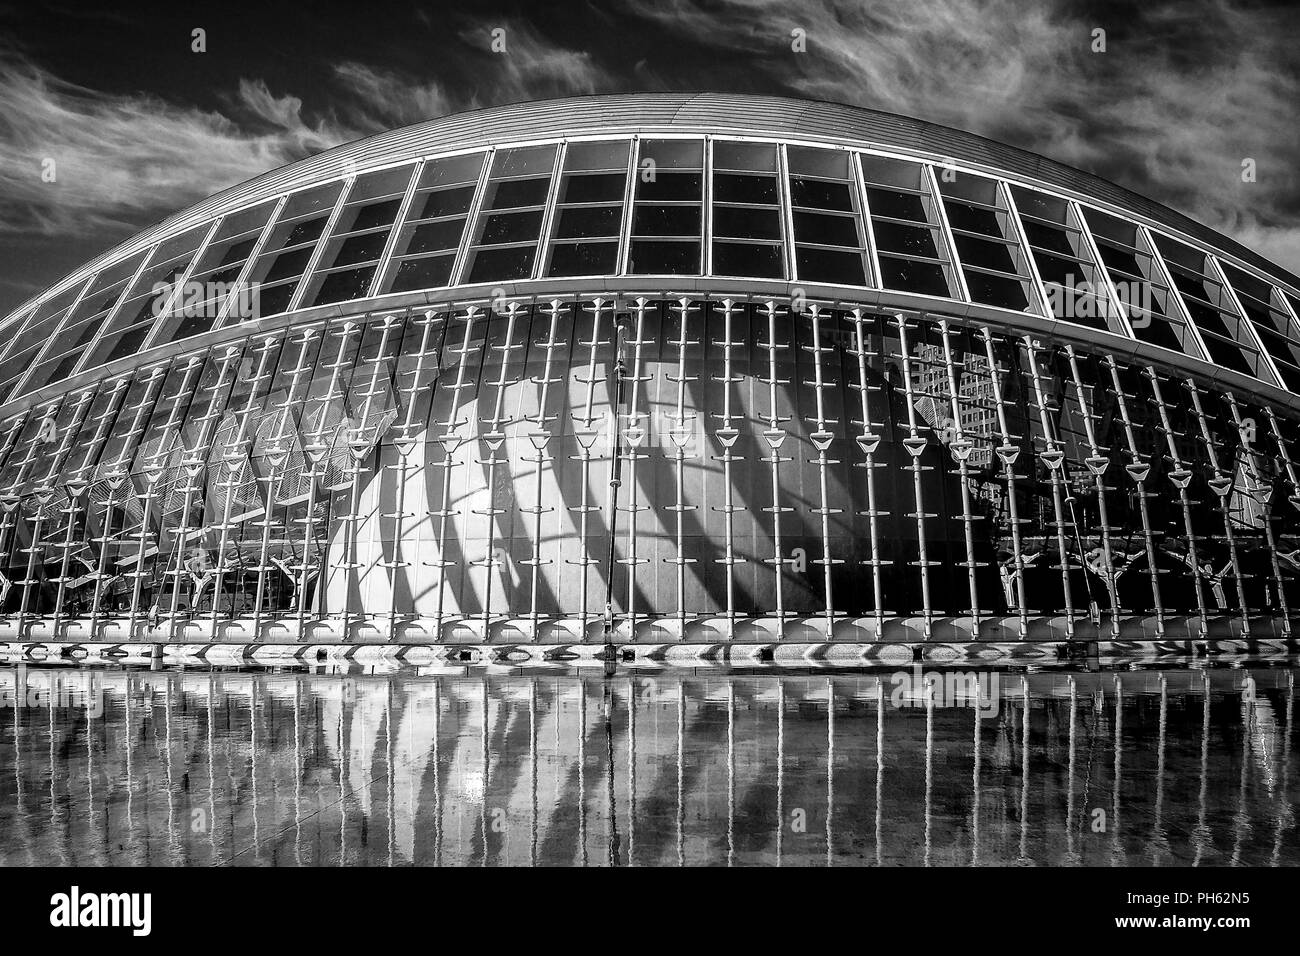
[1139, 767]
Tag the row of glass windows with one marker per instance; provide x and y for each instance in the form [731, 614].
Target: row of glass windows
[456, 464]
[662, 207]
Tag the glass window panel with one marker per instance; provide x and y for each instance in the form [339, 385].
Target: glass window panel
[731, 187]
[809, 161]
[344, 285]
[756, 157]
[896, 205]
[826, 230]
[517, 193]
[881, 171]
[830, 265]
[432, 237]
[1000, 291]
[599, 187]
[670, 187]
[510, 227]
[25, 344]
[973, 218]
[650, 257]
[746, 259]
[583, 258]
[748, 223]
[523, 161]
[666, 221]
[430, 272]
[816, 194]
[905, 275]
[452, 171]
[1052, 240]
[673, 153]
[490, 265]
[912, 240]
[985, 254]
[611, 155]
[589, 221]
[308, 202]
[384, 184]
[444, 202]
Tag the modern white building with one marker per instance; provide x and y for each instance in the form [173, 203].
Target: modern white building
[689, 367]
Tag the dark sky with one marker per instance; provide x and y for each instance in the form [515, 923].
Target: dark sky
[139, 126]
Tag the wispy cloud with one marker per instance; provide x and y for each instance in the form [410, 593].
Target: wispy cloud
[121, 161]
[75, 161]
[1185, 91]
[1182, 94]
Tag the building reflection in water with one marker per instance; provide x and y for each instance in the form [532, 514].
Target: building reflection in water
[1176, 767]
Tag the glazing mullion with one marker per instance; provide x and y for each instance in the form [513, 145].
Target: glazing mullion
[540, 439]
[869, 441]
[276, 456]
[1245, 326]
[868, 229]
[1054, 458]
[153, 467]
[541, 261]
[194, 462]
[251, 262]
[385, 263]
[680, 435]
[775, 435]
[1097, 465]
[726, 436]
[1146, 240]
[916, 444]
[472, 217]
[959, 447]
[115, 475]
[178, 290]
[1180, 476]
[315, 451]
[78, 482]
[21, 380]
[629, 207]
[945, 230]
[111, 316]
[451, 442]
[821, 439]
[1222, 485]
[1269, 537]
[1008, 453]
[495, 438]
[43, 494]
[634, 434]
[786, 202]
[235, 461]
[360, 447]
[421, 391]
[586, 435]
[1018, 229]
[323, 240]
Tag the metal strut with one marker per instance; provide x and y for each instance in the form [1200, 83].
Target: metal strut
[615, 480]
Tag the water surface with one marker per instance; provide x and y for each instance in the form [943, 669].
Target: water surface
[1178, 767]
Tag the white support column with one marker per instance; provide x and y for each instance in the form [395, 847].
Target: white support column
[916, 444]
[1139, 470]
[869, 441]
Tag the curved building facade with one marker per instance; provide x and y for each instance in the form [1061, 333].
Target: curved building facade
[698, 367]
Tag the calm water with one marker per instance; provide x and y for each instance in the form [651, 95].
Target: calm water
[1180, 767]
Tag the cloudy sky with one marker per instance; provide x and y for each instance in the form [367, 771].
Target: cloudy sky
[139, 125]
